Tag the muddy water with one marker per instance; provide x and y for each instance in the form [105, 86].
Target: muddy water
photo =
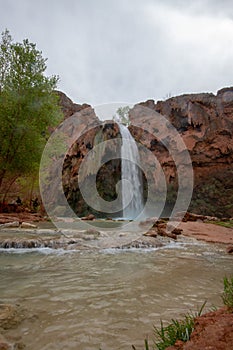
[108, 299]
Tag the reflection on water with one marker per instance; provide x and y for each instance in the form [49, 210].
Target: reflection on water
[108, 299]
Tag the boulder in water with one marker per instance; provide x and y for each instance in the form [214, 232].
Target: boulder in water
[10, 317]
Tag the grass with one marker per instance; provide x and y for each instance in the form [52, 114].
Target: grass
[166, 336]
[146, 345]
[228, 224]
[227, 296]
[176, 330]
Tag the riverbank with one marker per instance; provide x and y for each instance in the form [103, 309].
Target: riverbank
[208, 232]
[39, 229]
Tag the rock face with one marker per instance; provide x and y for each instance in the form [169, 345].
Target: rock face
[72, 129]
[204, 121]
[68, 106]
[107, 176]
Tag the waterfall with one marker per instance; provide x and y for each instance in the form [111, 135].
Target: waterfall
[131, 172]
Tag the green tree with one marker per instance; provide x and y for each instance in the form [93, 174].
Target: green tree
[28, 108]
[122, 115]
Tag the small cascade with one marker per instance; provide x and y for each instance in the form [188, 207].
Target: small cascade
[21, 243]
[130, 171]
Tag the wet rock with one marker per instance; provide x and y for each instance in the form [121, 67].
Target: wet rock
[162, 232]
[160, 228]
[4, 344]
[48, 239]
[92, 232]
[151, 233]
[177, 231]
[229, 249]
[20, 243]
[11, 343]
[10, 316]
[142, 243]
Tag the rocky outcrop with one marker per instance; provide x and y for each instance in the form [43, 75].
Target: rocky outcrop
[68, 107]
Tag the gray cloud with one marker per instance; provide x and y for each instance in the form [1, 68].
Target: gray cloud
[130, 50]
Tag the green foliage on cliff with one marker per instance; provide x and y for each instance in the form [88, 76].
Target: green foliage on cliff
[122, 115]
[214, 196]
[28, 107]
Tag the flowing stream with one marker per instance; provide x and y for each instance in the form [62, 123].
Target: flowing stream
[132, 189]
[111, 298]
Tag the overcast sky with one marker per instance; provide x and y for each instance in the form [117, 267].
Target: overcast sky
[128, 50]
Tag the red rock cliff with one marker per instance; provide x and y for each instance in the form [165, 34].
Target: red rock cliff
[205, 122]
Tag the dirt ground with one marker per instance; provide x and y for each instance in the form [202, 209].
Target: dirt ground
[208, 232]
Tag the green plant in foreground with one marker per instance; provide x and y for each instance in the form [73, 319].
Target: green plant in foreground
[146, 345]
[227, 296]
[176, 330]
[166, 336]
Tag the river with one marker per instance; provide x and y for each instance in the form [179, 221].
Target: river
[111, 298]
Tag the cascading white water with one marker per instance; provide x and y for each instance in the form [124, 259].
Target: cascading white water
[131, 172]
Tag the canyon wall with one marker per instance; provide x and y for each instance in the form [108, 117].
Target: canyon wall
[204, 121]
